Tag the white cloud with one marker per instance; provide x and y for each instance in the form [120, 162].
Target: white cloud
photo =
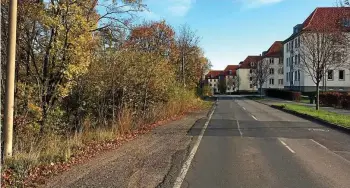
[257, 3]
[179, 7]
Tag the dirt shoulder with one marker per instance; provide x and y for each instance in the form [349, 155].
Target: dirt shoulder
[152, 160]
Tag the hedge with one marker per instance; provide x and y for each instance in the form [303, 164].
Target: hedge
[335, 99]
[283, 94]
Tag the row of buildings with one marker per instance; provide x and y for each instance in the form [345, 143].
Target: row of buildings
[283, 58]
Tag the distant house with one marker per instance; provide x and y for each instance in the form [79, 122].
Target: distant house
[213, 78]
[274, 57]
[244, 73]
[296, 78]
[230, 73]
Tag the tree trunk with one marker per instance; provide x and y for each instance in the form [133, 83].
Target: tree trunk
[260, 90]
[317, 96]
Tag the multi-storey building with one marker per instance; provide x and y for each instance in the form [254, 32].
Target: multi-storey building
[244, 73]
[295, 77]
[274, 58]
[213, 78]
[230, 73]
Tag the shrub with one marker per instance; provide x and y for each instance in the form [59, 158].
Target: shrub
[335, 99]
[283, 94]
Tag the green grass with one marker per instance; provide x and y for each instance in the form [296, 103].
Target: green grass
[331, 117]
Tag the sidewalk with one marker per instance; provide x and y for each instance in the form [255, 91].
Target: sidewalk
[272, 101]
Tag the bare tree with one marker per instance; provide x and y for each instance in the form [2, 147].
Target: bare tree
[322, 50]
[187, 40]
[230, 83]
[237, 82]
[260, 73]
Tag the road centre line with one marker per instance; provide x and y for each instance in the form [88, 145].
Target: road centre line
[254, 117]
[239, 129]
[187, 163]
[285, 145]
[244, 108]
[322, 146]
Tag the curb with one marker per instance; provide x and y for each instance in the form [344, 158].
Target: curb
[308, 117]
[313, 119]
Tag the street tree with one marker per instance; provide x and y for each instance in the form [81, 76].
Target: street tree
[322, 49]
[260, 73]
[237, 82]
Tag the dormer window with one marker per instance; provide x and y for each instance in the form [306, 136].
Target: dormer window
[230, 72]
[346, 22]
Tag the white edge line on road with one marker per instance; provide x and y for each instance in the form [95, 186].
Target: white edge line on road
[322, 146]
[187, 163]
[239, 129]
[254, 117]
[290, 149]
[244, 108]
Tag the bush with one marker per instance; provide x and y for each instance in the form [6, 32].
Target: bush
[335, 99]
[283, 94]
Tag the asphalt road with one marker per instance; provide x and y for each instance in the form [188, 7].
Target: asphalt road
[248, 144]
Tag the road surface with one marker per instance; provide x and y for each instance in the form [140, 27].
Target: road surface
[248, 144]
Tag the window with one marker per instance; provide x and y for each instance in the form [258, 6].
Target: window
[251, 85]
[210, 85]
[251, 71]
[298, 75]
[346, 22]
[230, 72]
[251, 78]
[341, 74]
[280, 61]
[280, 71]
[337, 57]
[287, 61]
[252, 64]
[271, 61]
[287, 76]
[272, 81]
[299, 59]
[291, 76]
[330, 75]
[214, 85]
[280, 81]
[272, 71]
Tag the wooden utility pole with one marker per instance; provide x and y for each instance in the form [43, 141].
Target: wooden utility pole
[10, 80]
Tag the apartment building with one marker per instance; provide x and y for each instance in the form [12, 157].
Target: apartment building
[244, 73]
[274, 58]
[230, 73]
[295, 77]
[213, 78]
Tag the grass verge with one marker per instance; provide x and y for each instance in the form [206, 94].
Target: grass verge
[330, 117]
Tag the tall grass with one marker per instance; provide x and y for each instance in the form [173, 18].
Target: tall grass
[53, 148]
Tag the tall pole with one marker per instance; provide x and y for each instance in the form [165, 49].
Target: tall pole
[10, 80]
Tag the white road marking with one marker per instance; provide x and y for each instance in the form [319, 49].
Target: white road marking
[187, 163]
[254, 117]
[322, 146]
[320, 130]
[244, 108]
[285, 145]
[239, 129]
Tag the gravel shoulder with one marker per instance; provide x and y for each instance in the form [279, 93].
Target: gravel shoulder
[152, 160]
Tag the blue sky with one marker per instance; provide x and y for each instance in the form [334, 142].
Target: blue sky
[232, 29]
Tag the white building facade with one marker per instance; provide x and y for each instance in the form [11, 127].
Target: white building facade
[295, 76]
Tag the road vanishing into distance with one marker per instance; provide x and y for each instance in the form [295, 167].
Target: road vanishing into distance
[250, 145]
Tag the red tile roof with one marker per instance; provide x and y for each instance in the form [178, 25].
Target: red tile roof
[233, 69]
[276, 50]
[326, 18]
[248, 60]
[214, 73]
